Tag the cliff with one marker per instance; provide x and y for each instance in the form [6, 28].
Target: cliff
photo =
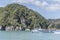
[19, 15]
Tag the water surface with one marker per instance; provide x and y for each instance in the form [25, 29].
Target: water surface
[22, 35]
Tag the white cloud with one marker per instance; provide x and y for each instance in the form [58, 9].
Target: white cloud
[45, 5]
[19, 1]
[38, 3]
[53, 7]
[56, 0]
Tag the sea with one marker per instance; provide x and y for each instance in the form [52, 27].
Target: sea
[24, 35]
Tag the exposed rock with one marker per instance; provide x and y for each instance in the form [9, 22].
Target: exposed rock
[20, 28]
[0, 27]
[9, 28]
[17, 28]
[12, 28]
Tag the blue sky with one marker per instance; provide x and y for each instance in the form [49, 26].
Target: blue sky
[50, 9]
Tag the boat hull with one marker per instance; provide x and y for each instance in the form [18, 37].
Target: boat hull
[46, 31]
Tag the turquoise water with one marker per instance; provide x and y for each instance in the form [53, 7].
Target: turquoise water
[4, 35]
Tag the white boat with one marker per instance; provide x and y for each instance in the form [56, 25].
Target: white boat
[40, 29]
[35, 31]
[27, 30]
[46, 31]
[57, 32]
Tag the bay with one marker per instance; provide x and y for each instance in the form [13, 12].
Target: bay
[22, 35]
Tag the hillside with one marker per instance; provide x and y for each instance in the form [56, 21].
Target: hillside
[56, 22]
[19, 15]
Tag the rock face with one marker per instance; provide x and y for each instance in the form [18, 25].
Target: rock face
[12, 28]
[9, 28]
[0, 27]
[17, 28]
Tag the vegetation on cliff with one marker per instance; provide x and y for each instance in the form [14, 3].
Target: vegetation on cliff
[19, 15]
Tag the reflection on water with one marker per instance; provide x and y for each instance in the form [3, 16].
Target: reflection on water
[22, 35]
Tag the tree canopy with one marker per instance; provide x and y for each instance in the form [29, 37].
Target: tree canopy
[16, 14]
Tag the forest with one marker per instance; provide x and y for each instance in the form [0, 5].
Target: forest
[19, 15]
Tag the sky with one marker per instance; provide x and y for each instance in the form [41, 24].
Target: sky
[50, 9]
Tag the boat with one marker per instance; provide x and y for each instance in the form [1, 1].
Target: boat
[57, 32]
[35, 31]
[27, 29]
[46, 31]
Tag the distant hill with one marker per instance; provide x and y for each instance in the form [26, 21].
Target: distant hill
[56, 22]
[19, 15]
